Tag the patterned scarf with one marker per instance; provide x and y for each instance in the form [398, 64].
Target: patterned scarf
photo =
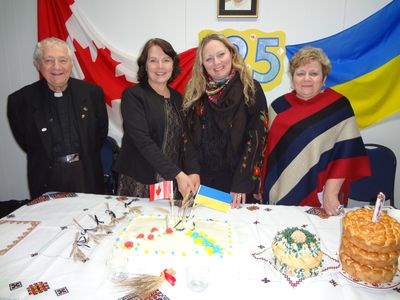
[214, 89]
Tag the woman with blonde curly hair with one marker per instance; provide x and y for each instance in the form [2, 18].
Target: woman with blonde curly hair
[226, 117]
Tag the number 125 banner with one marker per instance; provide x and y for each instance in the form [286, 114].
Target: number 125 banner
[263, 52]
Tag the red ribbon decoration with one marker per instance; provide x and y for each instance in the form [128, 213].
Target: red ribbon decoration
[169, 277]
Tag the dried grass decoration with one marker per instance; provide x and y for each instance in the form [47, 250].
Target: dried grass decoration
[114, 220]
[77, 254]
[144, 285]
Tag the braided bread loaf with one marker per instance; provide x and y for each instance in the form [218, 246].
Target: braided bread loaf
[369, 250]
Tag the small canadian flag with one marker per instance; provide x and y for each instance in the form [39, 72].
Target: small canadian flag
[161, 190]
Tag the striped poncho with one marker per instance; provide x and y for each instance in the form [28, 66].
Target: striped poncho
[309, 142]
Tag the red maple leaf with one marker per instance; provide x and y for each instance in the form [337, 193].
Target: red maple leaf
[101, 71]
[158, 190]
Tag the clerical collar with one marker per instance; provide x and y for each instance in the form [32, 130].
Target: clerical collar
[58, 94]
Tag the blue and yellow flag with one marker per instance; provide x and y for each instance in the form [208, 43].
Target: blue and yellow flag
[366, 64]
[213, 198]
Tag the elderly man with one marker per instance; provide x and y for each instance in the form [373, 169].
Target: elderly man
[61, 123]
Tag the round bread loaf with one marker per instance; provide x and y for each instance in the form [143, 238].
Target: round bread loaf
[382, 236]
[297, 253]
[373, 259]
[374, 275]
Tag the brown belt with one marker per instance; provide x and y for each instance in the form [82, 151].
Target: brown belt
[69, 158]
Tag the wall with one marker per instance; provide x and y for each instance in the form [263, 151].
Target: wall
[127, 24]
[18, 36]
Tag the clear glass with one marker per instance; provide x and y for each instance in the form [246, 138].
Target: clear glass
[197, 277]
[117, 268]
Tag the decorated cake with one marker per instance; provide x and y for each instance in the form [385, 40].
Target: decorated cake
[297, 253]
[149, 235]
[369, 250]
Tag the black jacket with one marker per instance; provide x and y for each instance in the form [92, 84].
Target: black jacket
[143, 115]
[244, 128]
[28, 111]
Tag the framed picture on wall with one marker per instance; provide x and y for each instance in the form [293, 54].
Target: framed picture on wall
[237, 8]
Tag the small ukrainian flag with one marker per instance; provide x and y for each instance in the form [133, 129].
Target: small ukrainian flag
[213, 198]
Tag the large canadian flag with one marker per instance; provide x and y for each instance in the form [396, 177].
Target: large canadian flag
[95, 59]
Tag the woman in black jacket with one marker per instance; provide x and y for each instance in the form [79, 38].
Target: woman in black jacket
[153, 140]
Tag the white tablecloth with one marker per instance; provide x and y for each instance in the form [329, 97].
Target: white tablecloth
[36, 242]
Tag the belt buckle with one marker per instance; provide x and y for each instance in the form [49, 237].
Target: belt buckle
[72, 157]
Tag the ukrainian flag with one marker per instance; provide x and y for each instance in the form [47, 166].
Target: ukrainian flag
[213, 198]
[366, 64]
